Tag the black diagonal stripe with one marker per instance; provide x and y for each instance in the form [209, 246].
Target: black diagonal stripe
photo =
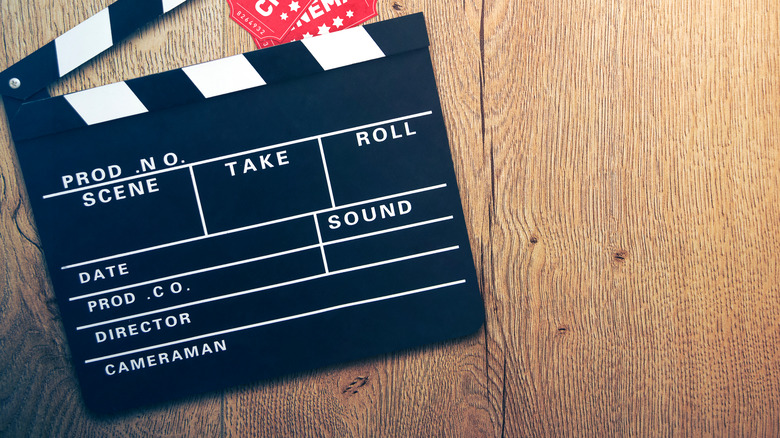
[399, 35]
[287, 61]
[46, 116]
[129, 15]
[165, 90]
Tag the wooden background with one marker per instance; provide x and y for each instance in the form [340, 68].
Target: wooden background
[619, 165]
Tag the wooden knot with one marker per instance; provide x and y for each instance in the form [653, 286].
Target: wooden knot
[353, 387]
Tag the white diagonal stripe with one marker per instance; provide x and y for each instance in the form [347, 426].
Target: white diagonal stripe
[109, 102]
[223, 76]
[83, 42]
[342, 48]
[170, 4]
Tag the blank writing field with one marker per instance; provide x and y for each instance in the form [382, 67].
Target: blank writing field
[391, 245]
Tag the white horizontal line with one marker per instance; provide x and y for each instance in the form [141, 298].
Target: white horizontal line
[389, 230]
[272, 286]
[381, 198]
[237, 154]
[250, 227]
[278, 320]
[256, 259]
[195, 272]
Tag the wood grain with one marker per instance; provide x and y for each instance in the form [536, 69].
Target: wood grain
[619, 166]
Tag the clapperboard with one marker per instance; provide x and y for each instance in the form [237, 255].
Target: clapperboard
[244, 218]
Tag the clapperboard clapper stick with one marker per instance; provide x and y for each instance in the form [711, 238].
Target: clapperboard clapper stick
[244, 218]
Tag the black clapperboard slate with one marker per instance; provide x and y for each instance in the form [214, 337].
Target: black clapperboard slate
[245, 218]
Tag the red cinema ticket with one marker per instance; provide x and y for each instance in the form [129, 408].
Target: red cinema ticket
[326, 16]
[269, 18]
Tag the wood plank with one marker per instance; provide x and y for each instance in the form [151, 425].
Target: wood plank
[635, 152]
